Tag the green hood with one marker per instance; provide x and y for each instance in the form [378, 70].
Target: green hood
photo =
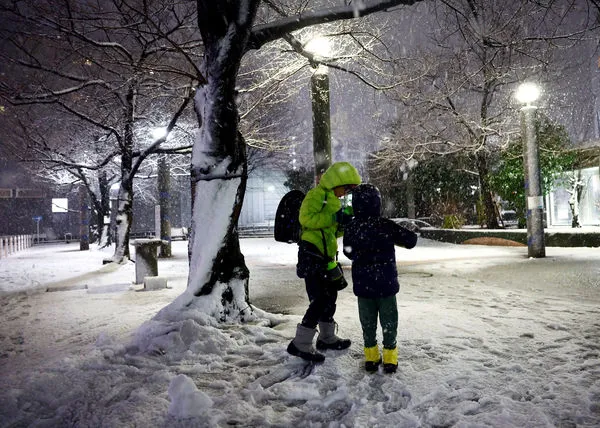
[339, 174]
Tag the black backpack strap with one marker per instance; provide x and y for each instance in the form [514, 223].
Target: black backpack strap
[325, 248]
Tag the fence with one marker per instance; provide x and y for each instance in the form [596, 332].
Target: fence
[12, 244]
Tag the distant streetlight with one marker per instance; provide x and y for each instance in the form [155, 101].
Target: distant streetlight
[320, 47]
[158, 133]
[527, 94]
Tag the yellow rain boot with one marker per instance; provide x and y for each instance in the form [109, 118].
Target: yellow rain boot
[372, 359]
[390, 360]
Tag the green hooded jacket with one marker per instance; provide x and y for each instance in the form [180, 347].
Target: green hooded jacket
[318, 209]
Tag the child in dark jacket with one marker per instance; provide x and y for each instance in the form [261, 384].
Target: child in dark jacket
[369, 241]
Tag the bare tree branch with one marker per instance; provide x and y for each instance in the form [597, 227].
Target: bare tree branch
[265, 33]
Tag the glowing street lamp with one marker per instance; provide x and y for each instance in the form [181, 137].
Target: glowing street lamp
[158, 133]
[527, 94]
[320, 47]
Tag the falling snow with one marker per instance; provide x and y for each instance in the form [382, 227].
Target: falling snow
[487, 337]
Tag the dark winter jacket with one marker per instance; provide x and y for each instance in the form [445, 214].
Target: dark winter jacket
[369, 241]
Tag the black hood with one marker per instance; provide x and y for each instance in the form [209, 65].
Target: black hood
[366, 201]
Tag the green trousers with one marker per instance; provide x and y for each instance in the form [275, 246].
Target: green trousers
[387, 311]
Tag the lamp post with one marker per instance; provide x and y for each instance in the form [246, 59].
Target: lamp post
[319, 94]
[162, 211]
[164, 218]
[527, 94]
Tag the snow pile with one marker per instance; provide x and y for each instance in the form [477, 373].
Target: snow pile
[186, 400]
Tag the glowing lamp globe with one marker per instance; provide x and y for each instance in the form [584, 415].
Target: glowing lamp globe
[158, 133]
[527, 93]
[320, 46]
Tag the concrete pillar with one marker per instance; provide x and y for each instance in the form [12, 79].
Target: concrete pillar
[146, 258]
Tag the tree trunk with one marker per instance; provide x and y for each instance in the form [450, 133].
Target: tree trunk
[218, 277]
[219, 187]
[491, 220]
[124, 218]
[84, 226]
[103, 210]
[125, 200]
[411, 211]
[576, 188]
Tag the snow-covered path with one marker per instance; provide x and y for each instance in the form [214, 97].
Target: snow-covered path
[486, 338]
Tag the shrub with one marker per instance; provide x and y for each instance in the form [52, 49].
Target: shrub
[453, 222]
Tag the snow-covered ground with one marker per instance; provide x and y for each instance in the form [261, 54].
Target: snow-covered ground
[487, 337]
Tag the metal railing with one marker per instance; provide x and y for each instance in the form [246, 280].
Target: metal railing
[14, 243]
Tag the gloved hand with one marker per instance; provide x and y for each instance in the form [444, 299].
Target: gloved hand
[334, 270]
[344, 215]
[335, 276]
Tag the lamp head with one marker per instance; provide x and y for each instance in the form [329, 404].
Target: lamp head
[320, 46]
[158, 133]
[527, 93]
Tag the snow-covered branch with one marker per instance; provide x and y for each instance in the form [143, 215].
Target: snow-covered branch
[265, 33]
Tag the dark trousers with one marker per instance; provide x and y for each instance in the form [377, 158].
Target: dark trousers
[322, 300]
[387, 311]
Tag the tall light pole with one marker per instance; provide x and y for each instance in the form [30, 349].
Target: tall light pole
[527, 94]
[162, 219]
[319, 94]
[164, 198]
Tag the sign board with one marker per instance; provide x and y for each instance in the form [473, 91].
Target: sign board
[37, 218]
[60, 205]
[535, 202]
[6, 193]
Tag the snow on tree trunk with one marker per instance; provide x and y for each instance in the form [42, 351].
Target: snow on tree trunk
[575, 192]
[103, 241]
[125, 201]
[103, 210]
[218, 278]
[124, 217]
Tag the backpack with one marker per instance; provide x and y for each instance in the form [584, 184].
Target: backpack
[287, 224]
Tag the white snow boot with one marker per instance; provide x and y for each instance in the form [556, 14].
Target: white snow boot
[327, 338]
[302, 345]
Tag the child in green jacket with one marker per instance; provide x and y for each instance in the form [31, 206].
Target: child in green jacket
[320, 216]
